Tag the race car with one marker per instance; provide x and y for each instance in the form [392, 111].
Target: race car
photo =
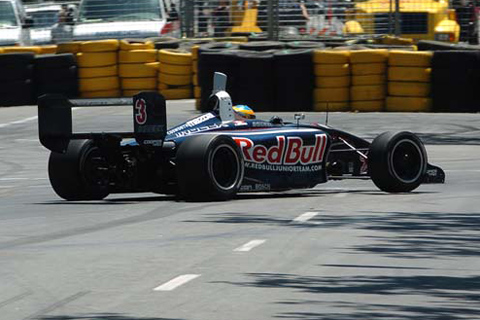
[218, 154]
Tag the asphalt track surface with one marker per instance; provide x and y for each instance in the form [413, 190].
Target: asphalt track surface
[343, 250]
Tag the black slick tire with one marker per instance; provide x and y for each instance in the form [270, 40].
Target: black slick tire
[209, 167]
[397, 161]
[71, 173]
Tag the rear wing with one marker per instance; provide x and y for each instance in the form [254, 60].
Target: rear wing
[55, 119]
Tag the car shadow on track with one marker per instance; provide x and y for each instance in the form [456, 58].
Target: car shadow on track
[100, 316]
[319, 193]
[239, 197]
[112, 201]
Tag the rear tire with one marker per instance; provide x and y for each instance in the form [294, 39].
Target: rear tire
[397, 161]
[74, 175]
[209, 167]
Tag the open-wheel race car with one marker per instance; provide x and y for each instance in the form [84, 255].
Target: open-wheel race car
[218, 154]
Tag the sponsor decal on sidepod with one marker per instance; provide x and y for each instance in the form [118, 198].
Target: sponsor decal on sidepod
[288, 152]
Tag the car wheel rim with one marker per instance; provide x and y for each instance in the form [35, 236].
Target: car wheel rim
[225, 167]
[407, 161]
[95, 171]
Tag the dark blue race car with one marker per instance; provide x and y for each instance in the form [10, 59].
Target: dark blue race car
[218, 154]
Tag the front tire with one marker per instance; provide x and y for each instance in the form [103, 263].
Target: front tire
[75, 174]
[209, 167]
[397, 161]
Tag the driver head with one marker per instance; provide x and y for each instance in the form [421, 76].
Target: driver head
[243, 112]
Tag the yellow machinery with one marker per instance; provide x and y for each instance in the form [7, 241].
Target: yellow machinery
[244, 17]
[419, 19]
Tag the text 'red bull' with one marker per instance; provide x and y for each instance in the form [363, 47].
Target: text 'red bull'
[287, 151]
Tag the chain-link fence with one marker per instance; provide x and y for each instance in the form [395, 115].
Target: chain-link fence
[420, 19]
[444, 20]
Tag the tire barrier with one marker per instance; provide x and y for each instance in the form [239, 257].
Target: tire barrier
[368, 92]
[172, 44]
[69, 47]
[99, 72]
[293, 80]
[409, 81]
[16, 78]
[332, 80]
[175, 57]
[197, 90]
[137, 56]
[51, 49]
[56, 73]
[175, 73]
[177, 93]
[164, 42]
[408, 104]
[455, 79]
[304, 45]
[136, 44]
[211, 61]
[428, 45]
[134, 70]
[99, 46]
[35, 50]
[262, 46]
[255, 84]
[301, 76]
[32, 49]
[96, 59]
[217, 46]
[253, 77]
[98, 84]
[97, 68]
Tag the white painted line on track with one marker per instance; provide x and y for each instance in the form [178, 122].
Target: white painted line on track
[250, 245]
[340, 195]
[19, 179]
[304, 217]
[27, 140]
[3, 125]
[466, 170]
[180, 101]
[176, 282]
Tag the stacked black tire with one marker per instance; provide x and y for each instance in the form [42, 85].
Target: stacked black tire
[455, 81]
[294, 80]
[56, 73]
[265, 80]
[255, 80]
[429, 45]
[16, 79]
[216, 57]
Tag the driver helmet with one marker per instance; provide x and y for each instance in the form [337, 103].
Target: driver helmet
[243, 112]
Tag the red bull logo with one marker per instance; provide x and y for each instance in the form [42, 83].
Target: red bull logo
[287, 151]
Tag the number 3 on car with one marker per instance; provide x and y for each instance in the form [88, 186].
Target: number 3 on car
[141, 111]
